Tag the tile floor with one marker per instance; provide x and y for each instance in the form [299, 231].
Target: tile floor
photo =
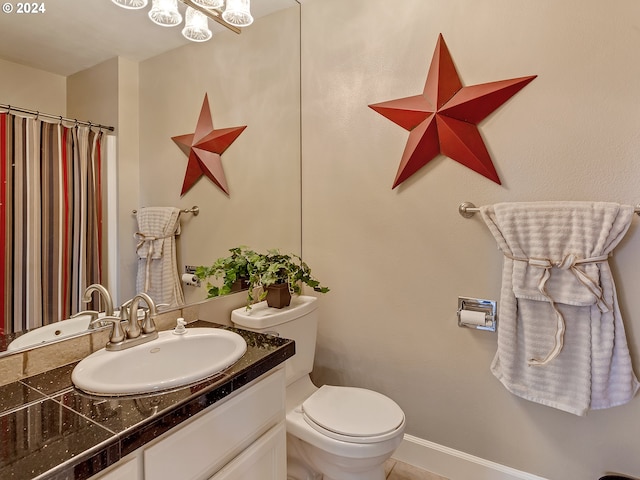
[396, 470]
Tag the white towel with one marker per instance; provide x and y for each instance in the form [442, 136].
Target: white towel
[157, 265]
[561, 339]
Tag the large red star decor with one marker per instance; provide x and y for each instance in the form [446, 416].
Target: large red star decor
[444, 118]
[204, 148]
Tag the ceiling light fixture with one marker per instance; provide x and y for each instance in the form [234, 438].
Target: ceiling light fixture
[237, 12]
[232, 14]
[196, 26]
[210, 3]
[165, 13]
[131, 4]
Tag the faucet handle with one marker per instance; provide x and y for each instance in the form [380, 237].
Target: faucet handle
[94, 318]
[125, 309]
[117, 334]
[148, 325]
[92, 313]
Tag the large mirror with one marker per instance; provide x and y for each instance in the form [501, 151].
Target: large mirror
[151, 88]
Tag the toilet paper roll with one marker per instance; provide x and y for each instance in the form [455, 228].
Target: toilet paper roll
[471, 317]
[189, 279]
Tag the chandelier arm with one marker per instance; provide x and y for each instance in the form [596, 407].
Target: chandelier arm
[212, 14]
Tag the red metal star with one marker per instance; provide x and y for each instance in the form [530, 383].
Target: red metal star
[204, 148]
[444, 118]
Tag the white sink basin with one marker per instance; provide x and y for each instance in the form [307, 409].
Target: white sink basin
[54, 331]
[169, 361]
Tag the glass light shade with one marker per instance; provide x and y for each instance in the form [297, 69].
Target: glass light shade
[131, 4]
[196, 26]
[237, 12]
[209, 3]
[165, 13]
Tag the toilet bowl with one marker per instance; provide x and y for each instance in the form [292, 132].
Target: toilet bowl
[344, 433]
[333, 432]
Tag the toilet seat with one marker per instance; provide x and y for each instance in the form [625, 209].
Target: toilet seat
[351, 414]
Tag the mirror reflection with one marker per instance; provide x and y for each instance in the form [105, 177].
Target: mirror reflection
[251, 79]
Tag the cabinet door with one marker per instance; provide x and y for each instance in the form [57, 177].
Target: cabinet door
[266, 459]
[128, 468]
[213, 438]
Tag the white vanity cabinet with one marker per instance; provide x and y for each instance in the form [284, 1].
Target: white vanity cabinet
[129, 468]
[264, 459]
[241, 437]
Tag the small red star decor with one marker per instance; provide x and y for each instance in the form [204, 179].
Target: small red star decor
[204, 149]
[444, 118]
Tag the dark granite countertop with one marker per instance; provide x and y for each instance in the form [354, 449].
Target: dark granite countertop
[51, 430]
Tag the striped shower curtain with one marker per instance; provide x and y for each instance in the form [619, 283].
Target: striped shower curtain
[50, 220]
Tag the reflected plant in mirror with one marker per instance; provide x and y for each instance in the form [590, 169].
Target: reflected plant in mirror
[233, 270]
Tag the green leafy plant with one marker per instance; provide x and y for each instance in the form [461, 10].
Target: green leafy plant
[231, 269]
[259, 270]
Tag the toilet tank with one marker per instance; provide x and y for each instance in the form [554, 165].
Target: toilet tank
[298, 322]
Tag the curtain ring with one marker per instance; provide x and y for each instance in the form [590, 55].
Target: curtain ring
[37, 115]
[60, 122]
[9, 110]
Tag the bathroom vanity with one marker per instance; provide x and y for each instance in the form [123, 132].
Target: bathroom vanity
[226, 427]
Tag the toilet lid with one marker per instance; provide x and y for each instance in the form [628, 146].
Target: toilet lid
[353, 414]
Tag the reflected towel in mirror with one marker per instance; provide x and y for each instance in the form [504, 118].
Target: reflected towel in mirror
[157, 265]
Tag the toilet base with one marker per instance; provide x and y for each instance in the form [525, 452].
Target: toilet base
[298, 466]
[305, 462]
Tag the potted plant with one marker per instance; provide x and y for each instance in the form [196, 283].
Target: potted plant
[278, 275]
[233, 270]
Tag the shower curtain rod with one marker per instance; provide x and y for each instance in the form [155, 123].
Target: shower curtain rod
[60, 118]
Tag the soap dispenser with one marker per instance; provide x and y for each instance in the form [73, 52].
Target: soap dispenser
[180, 327]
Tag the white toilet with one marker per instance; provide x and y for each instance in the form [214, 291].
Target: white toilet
[333, 433]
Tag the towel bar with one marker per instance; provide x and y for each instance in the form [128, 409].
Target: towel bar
[468, 209]
[195, 210]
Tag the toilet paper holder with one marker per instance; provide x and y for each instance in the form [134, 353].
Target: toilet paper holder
[477, 305]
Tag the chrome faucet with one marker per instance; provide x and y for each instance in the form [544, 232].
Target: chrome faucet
[127, 331]
[104, 293]
[148, 324]
[86, 298]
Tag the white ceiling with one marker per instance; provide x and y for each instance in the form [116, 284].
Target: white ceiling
[72, 35]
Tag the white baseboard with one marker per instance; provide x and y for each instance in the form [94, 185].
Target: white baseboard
[453, 464]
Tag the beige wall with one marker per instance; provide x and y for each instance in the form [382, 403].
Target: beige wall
[32, 89]
[397, 260]
[128, 175]
[251, 79]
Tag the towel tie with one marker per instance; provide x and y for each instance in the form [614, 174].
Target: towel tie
[569, 262]
[142, 240]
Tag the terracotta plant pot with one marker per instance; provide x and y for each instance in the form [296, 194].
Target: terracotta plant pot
[278, 295]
